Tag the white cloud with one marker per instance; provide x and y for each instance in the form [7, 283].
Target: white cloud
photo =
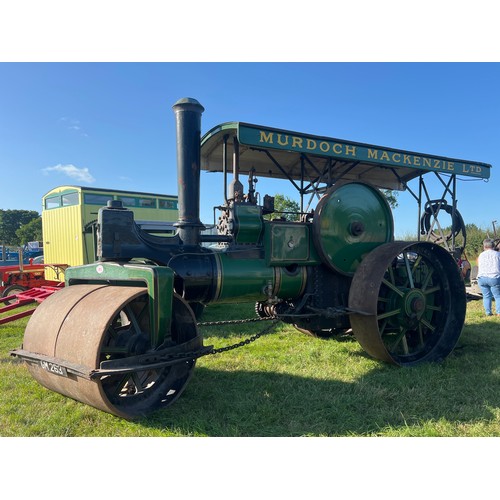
[80, 174]
[74, 125]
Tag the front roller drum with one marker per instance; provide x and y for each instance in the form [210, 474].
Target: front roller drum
[408, 303]
[88, 324]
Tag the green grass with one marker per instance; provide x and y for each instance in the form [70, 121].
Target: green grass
[284, 384]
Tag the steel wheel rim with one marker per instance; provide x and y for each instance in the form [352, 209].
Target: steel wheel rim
[411, 308]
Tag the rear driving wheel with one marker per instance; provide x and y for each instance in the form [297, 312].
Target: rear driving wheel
[409, 303]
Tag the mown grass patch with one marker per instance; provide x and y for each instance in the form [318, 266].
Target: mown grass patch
[284, 384]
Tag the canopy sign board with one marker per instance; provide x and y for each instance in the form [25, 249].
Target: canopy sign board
[300, 143]
[276, 153]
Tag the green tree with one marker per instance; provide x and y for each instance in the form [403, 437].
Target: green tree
[475, 237]
[391, 197]
[32, 231]
[285, 207]
[11, 221]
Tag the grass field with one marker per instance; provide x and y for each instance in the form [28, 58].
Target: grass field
[284, 384]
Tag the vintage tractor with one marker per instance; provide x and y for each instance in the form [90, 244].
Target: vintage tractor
[123, 336]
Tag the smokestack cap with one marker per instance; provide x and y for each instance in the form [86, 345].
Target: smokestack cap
[190, 104]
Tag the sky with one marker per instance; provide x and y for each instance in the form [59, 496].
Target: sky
[111, 124]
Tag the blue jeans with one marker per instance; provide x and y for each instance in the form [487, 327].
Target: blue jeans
[490, 287]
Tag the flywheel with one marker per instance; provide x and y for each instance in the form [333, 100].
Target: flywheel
[351, 219]
[408, 303]
[89, 324]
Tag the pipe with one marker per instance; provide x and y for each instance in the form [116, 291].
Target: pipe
[236, 187]
[224, 166]
[188, 125]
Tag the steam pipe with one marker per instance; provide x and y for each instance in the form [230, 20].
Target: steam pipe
[236, 187]
[188, 125]
[224, 166]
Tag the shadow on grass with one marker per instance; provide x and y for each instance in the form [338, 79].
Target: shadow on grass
[218, 403]
[463, 390]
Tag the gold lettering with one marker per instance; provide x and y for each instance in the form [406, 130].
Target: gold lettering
[384, 156]
[311, 144]
[472, 169]
[416, 161]
[266, 137]
[283, 143]
[373, 153]
[324, 146]
[394, 159]
[437, 164]
[296, 142]
[427, 162]
[407, 159]
[451, 165]
[350, 150]
[337, 148]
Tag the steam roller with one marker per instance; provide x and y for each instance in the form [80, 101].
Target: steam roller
[122, 335]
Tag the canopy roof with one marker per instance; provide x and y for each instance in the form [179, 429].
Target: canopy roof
[296, 156]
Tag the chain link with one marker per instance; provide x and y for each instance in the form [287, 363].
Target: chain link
[236, 321]
[247, 341]
[205, 351]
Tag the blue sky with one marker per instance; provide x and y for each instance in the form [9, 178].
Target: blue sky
[111, 125]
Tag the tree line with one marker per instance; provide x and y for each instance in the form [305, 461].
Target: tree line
[18, 227]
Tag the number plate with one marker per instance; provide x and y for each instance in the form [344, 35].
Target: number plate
[54, 368]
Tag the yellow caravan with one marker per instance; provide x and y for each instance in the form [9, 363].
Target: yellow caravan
[69, 214]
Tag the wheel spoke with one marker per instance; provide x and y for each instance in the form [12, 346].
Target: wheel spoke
[382, 327]
[391, 275]
[417, 262]
[433, 308]
[420, 335]
[427, 280]
[406, 350]
[132, 318]
[394, 288]
[401, 337]
[388, 314]
[408, 270]
[137, 382]
[427, 324]
[115, 384]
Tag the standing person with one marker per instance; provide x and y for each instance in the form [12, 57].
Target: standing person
[488, 276]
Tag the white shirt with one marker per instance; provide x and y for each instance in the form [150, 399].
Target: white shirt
[488, 264]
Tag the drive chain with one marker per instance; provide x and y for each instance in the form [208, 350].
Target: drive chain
[247, 341]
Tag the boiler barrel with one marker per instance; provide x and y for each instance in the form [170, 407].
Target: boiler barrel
[220, 277]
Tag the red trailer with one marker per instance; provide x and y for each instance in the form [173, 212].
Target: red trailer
[33, 297]
[25, 284]
[21, 277]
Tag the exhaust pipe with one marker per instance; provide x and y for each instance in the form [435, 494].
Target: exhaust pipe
[188, 125]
